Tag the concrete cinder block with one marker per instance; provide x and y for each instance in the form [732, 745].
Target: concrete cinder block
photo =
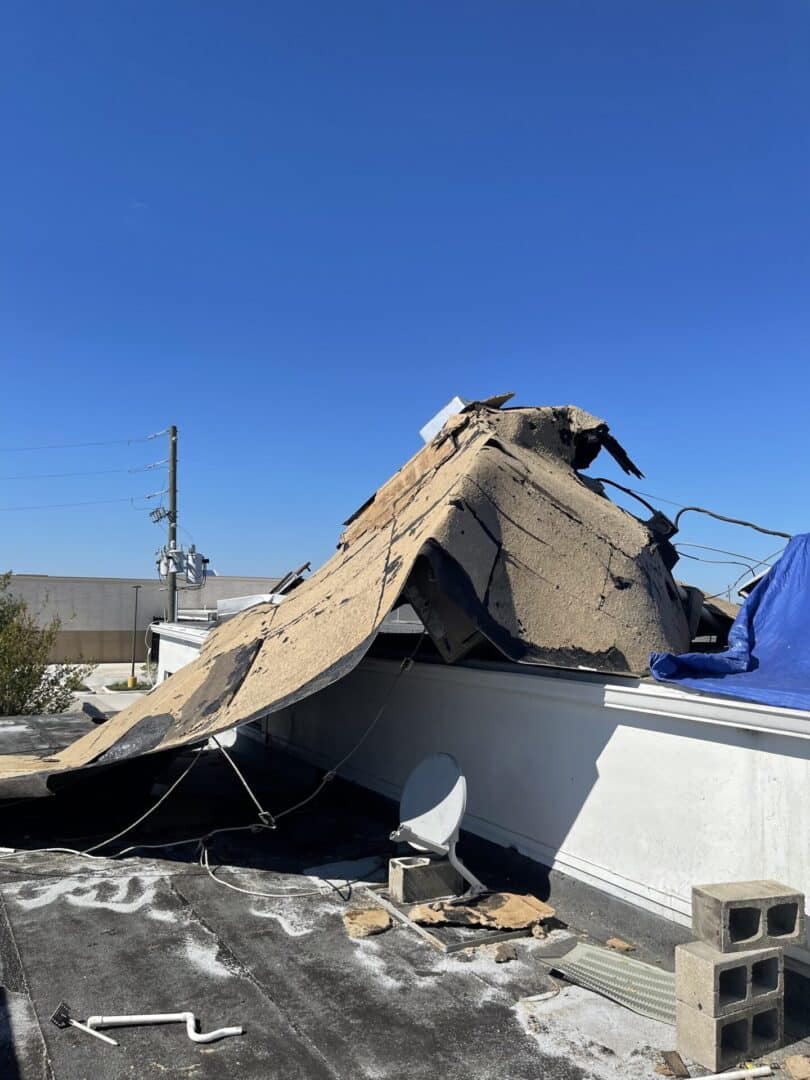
[414, 878]
[741, 915]
[719, 1042]
[721, 983]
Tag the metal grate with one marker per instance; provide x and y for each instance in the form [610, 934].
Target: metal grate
[641, 987]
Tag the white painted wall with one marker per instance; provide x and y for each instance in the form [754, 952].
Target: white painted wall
[639, 789]
[178, 646]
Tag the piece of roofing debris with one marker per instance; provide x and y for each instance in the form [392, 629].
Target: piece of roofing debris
[619, 945]
[640, 987]
[797, 1066]
[498, 911]
[673, 1062]
[491, 532]
[366, 922]
[504, 952]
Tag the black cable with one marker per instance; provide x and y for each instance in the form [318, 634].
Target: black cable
[627, 491]
[686, 509]
[730, 520]
[762, 562]
[723, 562]
[724, 551]
[659, 498]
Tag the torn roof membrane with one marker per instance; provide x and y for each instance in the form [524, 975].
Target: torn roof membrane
[489, 531]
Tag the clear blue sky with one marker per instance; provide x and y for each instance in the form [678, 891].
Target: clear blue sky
[296, 230]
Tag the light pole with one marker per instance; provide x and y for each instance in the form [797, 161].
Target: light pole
[132, 681]
[172, 574]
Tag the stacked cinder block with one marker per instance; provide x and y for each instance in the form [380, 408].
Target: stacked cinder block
[730, 984]
[414, 878]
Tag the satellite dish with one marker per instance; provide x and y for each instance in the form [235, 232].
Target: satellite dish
[431, 808]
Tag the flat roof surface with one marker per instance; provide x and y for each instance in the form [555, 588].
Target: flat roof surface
[151, 932]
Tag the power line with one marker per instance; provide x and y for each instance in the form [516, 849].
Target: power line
[84, 472]
[89, 502]
[70, 446]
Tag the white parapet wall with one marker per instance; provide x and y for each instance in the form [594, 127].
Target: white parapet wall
[639, 789]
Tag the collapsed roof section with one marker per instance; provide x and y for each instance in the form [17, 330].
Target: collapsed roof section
[489, 531]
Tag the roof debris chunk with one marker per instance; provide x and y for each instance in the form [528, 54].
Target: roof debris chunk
[491, 533]
[366, 922]
[498, 911]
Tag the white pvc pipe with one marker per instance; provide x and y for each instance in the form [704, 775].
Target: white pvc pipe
[187, 1018]
[95, 1034]
[741, 1074]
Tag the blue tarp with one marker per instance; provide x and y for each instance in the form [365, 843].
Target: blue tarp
[768, 655]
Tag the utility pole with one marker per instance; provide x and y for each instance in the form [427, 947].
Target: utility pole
[132, 681]
[172, 571]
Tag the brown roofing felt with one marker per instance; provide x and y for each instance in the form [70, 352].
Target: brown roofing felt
[489, 531]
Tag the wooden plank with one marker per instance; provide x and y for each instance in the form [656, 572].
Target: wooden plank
[674, 1063]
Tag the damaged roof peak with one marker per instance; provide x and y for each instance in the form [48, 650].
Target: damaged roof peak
[488, 531]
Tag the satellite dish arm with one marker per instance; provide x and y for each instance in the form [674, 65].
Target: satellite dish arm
[406, 835]
[475, 886]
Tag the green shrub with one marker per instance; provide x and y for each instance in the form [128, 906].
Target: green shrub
[28, 683]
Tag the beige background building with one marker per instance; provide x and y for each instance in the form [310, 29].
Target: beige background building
[97, 613]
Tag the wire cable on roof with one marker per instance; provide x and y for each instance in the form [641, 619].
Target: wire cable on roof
[323, 890]
[150, 811]
[659, 498]
[723, 551]
[767, 560]
[404, 666]
[628, 491]
[729, 589]
[265, 816]
[642, 496]
[88, 852]
[717, 562]
[203, 841]
[730, 520]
